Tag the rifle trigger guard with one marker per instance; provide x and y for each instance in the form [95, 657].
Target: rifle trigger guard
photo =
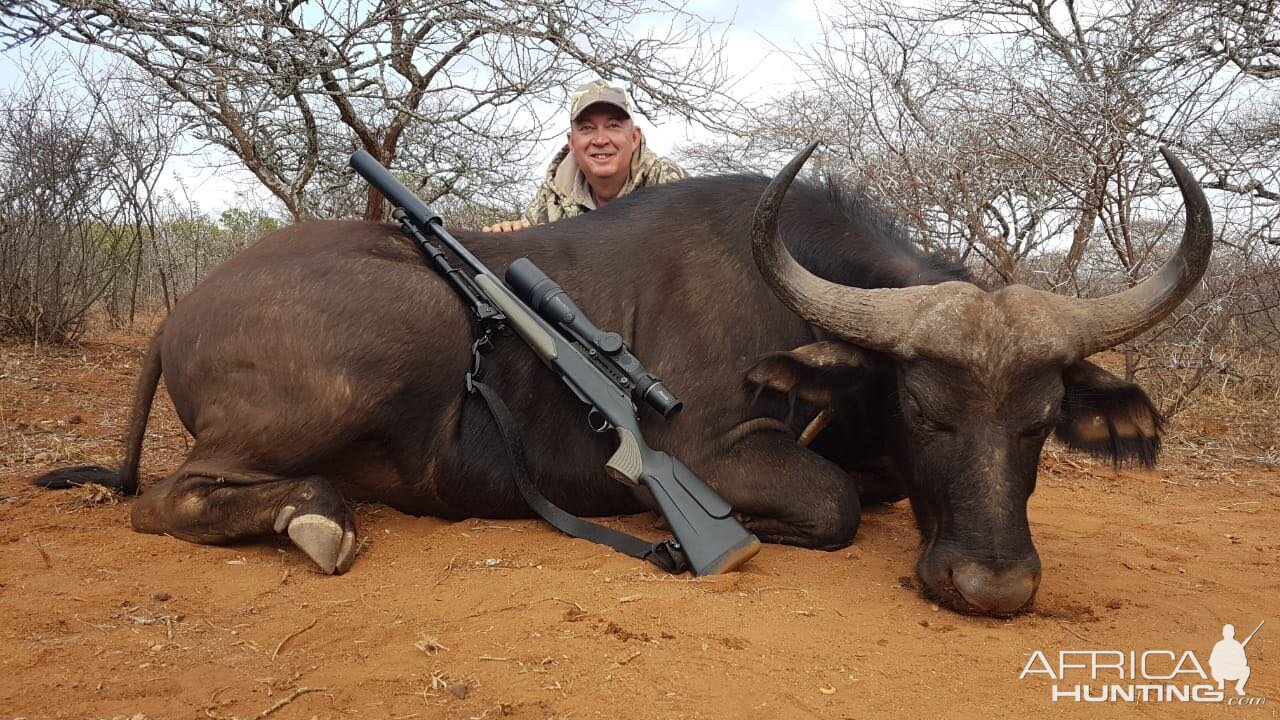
[597, 421]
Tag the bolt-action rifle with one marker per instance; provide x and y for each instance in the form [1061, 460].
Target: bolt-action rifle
[600, 370]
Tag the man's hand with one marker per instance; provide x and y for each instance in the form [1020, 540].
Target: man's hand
[507, 226]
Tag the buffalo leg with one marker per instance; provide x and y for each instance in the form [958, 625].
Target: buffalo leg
[785, 493]
[213, 504]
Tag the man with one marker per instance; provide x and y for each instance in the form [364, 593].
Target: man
[605, 159]
[1228, 661]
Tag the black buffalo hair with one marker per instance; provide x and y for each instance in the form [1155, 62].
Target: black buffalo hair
[837, 233]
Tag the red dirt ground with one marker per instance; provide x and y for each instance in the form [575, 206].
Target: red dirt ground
[481, 619]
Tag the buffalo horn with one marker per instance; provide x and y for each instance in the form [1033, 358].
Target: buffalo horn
[875, 319]
[1108, 321]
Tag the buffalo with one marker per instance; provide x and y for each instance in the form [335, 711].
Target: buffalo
[824, 360]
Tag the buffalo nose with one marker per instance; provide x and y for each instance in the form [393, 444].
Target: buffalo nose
[996, 592]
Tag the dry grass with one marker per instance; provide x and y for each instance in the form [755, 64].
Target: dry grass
[69, 405]
[85, 496]
[1226, 419]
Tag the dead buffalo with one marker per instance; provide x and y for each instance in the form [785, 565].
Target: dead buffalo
[325, 364]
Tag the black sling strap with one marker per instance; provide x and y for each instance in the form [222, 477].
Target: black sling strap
[666, 554]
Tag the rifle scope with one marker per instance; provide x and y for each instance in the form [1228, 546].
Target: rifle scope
[550, 301]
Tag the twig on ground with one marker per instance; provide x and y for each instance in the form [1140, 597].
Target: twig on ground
[521, 606]
[291, 636]
[780, 588]
[103, 628]
[570, 602]
[40, 549]
[285, 701]
[629, 658]
[213, 701]
[1073, 632]
[1069, 461]
[448, 569]
[429, 645]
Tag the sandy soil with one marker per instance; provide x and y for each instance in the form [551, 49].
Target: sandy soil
[480, 619]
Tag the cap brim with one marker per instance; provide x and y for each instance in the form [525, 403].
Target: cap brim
[610, 103]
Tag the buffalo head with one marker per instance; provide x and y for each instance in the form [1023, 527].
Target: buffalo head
[982, 378]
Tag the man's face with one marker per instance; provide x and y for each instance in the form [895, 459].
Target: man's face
[602, 139]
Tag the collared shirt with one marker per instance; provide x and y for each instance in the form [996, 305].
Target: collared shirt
[565, 193]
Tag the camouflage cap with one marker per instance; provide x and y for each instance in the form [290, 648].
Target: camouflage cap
[597, 92]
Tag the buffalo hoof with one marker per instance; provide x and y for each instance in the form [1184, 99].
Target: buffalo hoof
[331, 546]
[324, 541]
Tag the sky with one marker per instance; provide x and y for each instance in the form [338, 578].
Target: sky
[757, 37]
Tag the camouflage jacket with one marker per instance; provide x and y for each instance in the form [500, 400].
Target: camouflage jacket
[565, 192]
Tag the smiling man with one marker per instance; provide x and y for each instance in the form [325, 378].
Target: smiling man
[605, 159]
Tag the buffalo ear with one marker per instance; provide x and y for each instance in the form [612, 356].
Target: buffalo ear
[1108, 417]
[814, 373]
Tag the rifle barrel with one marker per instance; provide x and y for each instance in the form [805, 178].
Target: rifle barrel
[422, 215]
[1255, 632]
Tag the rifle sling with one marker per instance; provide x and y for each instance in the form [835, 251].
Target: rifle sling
[666, 554]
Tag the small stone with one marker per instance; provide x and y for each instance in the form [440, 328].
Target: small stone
[162, 596]
[460, 690]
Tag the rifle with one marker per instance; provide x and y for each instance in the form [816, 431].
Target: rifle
[1255, 632]
[600, 370]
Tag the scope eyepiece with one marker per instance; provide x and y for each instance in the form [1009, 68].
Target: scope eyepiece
[661, 399]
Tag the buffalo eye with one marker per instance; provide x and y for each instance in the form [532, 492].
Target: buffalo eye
[919, 418]
[1040, 429]
[1037, 430]
[936, 425]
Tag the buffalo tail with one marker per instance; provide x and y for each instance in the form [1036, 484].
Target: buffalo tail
[124, 480]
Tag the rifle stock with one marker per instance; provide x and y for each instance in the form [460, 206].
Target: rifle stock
[713, 541]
